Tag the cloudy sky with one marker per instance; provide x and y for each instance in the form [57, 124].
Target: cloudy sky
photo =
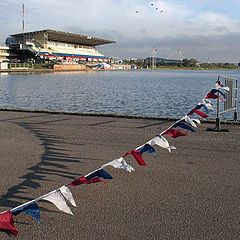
[208, 30]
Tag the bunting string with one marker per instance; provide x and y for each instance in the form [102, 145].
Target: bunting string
[59, 196]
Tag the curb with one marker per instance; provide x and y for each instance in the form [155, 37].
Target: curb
[115, 115]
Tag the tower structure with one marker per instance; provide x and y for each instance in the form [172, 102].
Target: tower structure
[154, 58]
[23, 18]
[179, 55]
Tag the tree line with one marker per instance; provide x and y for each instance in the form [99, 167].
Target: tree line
[185, 63]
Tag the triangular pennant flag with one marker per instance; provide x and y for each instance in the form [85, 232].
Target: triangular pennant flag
[101, 173]
[83, 180]
[208, 104]
[220, 87]
[146, 148]
[174, 133]
[200, 105]
[198, 112]
[213, 95]
[189, 120]
[67, 194]
[196, 120]
[31, 209]
[119, 163]
[7, 223]
[218, 83]
[219, 91]
[137, 156]
[161, 142]
[58, 200]
[183, 125]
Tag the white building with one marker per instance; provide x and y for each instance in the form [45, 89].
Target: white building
[4, 53]
[58, 46]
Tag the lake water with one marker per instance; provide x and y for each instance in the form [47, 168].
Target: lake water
[143, 92]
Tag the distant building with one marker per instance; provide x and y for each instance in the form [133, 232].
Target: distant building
[51, 45]
[4, 53]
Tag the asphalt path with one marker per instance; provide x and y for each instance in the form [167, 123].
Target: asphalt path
[191, 193]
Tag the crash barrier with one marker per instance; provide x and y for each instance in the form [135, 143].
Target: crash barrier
[230, 100]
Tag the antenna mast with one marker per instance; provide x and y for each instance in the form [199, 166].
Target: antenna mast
[23, 18]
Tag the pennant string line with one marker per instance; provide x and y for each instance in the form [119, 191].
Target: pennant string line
[218, 88]
[39, 198]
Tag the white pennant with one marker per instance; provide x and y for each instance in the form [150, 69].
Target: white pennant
[196, 120]
[207, 103]
[58, 200]
[161, 142]
[189, 120]
[219, 87]
[120, 163]
[68, 195]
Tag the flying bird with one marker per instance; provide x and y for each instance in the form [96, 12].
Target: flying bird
[137, 11]
[156, 7]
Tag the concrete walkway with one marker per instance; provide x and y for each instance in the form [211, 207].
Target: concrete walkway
[192, 193]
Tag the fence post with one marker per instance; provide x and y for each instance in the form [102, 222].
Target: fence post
[218, 117]
[236, 101]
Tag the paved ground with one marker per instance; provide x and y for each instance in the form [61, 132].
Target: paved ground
[192, 193]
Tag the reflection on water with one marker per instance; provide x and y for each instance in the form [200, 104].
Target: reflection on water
[148, 93]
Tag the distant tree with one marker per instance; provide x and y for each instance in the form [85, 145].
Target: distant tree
[186, 62]
[194, 62]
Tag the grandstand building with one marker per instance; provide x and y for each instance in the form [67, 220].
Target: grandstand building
[4, 53]
[57, 46]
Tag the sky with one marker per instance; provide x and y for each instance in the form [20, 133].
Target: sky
[206, 30]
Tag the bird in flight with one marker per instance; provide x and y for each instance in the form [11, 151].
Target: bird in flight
[156, 8]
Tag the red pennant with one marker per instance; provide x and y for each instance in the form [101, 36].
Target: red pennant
[213, 96]
[198, 112]
[7, 223]
[138, 157]
[219, 83]
[174, 133]
[83, 180]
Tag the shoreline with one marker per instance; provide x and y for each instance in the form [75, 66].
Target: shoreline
[40, 70]
[30, 70]
[114, 115]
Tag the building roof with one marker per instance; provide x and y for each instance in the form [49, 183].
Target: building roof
[66, 37]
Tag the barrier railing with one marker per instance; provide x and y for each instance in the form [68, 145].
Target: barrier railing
[18, 66]
[230, 102]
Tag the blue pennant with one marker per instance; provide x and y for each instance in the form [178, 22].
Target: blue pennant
[99, 173]
[31, 209]
[147, 149]
[183, 125]
[202, 105]
[218, 91]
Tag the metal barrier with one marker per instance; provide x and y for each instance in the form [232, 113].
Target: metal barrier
[20, 66]
[231, 100]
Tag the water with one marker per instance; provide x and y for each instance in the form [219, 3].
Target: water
[147, 93]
